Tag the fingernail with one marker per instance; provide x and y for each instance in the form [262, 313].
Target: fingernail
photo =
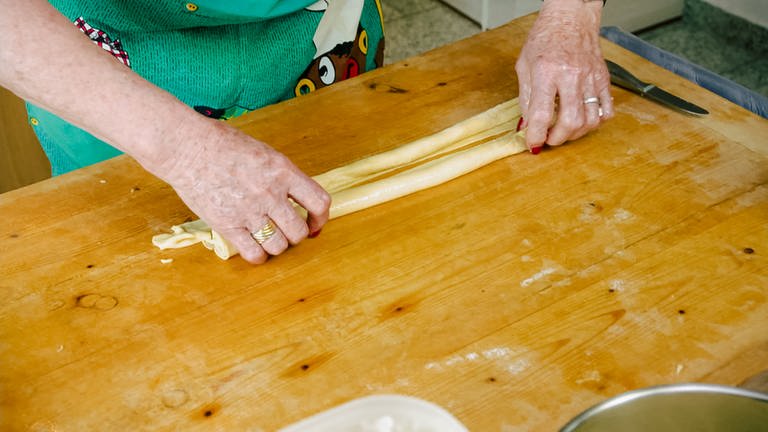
[315, 234]
[536, 150]
[520, 124]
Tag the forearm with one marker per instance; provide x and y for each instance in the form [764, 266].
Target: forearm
[237, 184]
[65, 73]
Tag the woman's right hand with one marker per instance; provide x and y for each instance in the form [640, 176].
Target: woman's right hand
[237, 184]
[230, 180]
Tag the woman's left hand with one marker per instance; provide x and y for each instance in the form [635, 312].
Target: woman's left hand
[563, 80]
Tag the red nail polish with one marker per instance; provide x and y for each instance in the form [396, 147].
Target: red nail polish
[315, 234]
[520, 124]
[536, 150]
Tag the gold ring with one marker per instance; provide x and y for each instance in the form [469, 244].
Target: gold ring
[265, 233]
[590, 100]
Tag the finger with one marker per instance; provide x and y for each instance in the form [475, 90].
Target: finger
[524, 99]
[524, 91]
[293, 227]
[606, 103]
[313, 198]
[540, 113]
[603, 87]
[276, 243]
[524, 96]
[523, 86]
[245, 244]
[592, 110]
[570, 117]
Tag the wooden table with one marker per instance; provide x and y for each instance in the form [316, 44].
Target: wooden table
[515, 297]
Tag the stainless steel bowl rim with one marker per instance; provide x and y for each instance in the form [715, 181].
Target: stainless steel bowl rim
[660, 389]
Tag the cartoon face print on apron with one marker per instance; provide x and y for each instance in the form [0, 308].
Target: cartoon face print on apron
[342, 45]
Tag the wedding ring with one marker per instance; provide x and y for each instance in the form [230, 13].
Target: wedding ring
[592, 99]
[265, 233]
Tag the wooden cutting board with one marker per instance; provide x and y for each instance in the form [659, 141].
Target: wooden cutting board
[515, 297]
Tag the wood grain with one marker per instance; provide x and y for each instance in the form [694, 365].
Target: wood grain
[515, 297]
[22, 160]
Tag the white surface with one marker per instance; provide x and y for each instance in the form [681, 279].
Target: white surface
[493, 13]
[383, 413]
[630, 15]
[755, 11]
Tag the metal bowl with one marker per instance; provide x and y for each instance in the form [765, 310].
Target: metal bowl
[678, 408]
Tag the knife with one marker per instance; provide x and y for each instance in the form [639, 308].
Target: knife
[623, 78]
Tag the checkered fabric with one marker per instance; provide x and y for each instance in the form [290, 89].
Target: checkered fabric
[101, 39]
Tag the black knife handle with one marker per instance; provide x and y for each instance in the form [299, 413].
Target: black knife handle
[623, 78]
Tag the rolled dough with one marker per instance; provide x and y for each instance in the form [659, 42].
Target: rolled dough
[350, 192]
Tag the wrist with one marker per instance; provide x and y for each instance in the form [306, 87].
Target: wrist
[169, 149]
[601, 2]
[598, 4]
[579, 12]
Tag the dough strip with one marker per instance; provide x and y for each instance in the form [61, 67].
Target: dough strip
[346, 199]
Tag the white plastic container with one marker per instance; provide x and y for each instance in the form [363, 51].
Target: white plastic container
[381, 413]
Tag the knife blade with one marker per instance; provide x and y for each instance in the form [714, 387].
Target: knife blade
[623, 78]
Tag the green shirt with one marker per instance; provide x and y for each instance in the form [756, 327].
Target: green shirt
[222, 58]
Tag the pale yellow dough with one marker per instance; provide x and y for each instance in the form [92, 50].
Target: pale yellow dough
[497, 120]
[350, 192]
